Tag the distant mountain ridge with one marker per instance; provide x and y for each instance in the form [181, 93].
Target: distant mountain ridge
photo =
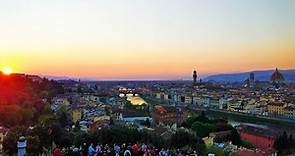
[67, 78]
[263, 75]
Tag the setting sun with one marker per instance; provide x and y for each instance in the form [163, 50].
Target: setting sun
[7, 70]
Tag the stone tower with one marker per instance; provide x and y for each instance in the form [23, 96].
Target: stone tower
[195, 77]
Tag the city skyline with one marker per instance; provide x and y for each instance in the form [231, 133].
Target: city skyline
[146, 39]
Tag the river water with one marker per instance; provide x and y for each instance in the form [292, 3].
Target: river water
[135, 100]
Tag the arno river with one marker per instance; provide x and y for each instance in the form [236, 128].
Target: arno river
[135, 100]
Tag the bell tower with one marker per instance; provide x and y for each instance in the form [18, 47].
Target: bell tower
[195, 77]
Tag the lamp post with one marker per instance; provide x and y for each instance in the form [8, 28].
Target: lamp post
[21, 146]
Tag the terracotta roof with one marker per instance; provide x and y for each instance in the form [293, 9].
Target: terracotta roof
[168, 109]
[276, 104]
[259, 131]
[290, 108]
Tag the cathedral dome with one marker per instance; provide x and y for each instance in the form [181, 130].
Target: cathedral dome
[277, 76]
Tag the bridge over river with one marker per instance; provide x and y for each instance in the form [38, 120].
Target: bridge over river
[132, 96]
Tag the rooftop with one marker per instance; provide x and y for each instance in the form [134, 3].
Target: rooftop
[260, 131]
[276, 104]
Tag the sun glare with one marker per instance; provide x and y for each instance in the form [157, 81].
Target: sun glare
[7, 70]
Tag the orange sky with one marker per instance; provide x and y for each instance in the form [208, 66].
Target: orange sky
[165, 64]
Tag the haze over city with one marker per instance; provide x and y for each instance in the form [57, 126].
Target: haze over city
[146, 39]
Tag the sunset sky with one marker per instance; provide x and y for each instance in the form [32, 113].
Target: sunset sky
[146, 39]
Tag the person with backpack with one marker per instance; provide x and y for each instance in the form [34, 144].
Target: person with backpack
[57, 152]
[127, 151]
[135, 150]
[91, 150]
[117, 149]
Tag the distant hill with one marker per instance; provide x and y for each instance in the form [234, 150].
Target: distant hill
[259, 75]
[67, 78]
[56, 77]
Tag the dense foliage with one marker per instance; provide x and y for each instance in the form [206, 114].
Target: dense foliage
[284, 143]
[202, 125]
[48, 130]
[25, 111]
[22, 99]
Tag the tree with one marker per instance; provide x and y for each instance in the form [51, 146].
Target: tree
[284, 143]
[33, 145]
[185, 139]
[65, 140]
[9, 143]
[80, 137]
[152, 138]
[47, 120]
[27, 115]
[235, 137]
[189, 122]
[10, 115]
[147, 122]
[203, 129]
[43, 134]
[194, 118]
[62, 115]
[203, 118]
[46, 109]
[118, 134]
[50, 130]
[222, 126]
[182, 138]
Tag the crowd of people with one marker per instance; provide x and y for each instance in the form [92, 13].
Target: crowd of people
[120, 150]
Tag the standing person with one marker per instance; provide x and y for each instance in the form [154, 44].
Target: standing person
[106, 148]
[135, 150]
[75, 152]
[123, 149]
[178, 153]
[98, 149]
[57, 152]
[194, 153]
[110, 151]
[153, 151]
[163, 152]
[143, 148]
[127, 151]
[117, 150]
[91, 150]
[84, 149]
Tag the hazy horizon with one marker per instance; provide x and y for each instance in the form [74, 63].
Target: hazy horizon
[153, 39]
[187, 77]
